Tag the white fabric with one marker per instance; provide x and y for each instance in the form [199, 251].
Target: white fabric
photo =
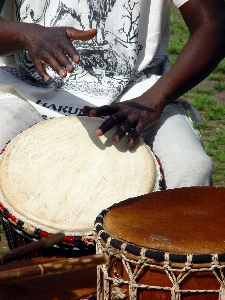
[179, 148]
[16, 115]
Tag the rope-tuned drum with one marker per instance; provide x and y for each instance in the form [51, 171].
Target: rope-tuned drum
[167, 245]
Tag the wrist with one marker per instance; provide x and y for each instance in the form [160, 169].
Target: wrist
[13, 37]
[151, 98]
[25, 34]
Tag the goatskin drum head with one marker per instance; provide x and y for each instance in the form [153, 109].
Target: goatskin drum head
[58, 175]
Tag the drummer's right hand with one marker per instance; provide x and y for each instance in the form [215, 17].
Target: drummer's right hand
[53, 46]
[135, 115]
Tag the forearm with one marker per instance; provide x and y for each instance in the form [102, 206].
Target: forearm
[195, 62]
[12, 36]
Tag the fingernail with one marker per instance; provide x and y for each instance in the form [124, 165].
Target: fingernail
[92, 113]
[47, 78]
[76, 59]
[69, 68]
[98, 132]
[116, 139]
[130, 144]
[62, 73]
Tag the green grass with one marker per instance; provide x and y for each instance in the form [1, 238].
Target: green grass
[219, 87]
[220, 69]
[208, 98]
[179, 32]
[200, 102]
[216, 77]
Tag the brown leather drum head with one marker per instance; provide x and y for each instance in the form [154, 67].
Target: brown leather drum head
[180, 221]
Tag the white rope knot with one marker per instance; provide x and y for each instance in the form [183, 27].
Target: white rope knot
[215, 261]
[108, 243]
[123, 246]
[189, 261]
[142, 253]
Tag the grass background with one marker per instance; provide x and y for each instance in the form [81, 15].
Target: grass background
[208, 98]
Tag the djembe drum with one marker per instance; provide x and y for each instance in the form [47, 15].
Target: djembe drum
[57, 176]
[167, 245]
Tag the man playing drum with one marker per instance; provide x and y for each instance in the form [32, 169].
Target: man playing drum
[70, 57]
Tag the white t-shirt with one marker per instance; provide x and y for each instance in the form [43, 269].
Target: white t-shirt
[125, 59]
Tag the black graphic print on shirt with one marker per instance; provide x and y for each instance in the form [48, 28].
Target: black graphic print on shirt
[107, 61]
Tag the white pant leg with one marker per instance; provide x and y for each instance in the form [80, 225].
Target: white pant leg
[16, 115]
[179, 148]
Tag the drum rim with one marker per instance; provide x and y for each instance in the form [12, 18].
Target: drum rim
[157, 256]
[37, 233]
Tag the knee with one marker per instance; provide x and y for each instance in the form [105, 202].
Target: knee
[202, 170]
[194, 169]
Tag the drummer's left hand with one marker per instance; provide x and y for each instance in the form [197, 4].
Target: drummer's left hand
[132, 114]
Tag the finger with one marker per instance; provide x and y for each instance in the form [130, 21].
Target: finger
[136, 135]
[88, 109]
[54, 64]
[75, 34]
[110, 123]
[105, 110]
[83, 35]
[63, 60]
[40, 67]
[124, 128]
[70, 50]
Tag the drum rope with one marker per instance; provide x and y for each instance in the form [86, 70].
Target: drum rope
[176, 281]
[141, 264]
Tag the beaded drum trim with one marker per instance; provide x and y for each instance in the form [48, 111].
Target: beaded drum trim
[37, 233]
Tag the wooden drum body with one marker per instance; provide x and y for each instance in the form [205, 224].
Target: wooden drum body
[167, 245]
[58, 175]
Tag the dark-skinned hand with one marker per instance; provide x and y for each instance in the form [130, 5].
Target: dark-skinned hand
[131, 114]
[53, 46]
